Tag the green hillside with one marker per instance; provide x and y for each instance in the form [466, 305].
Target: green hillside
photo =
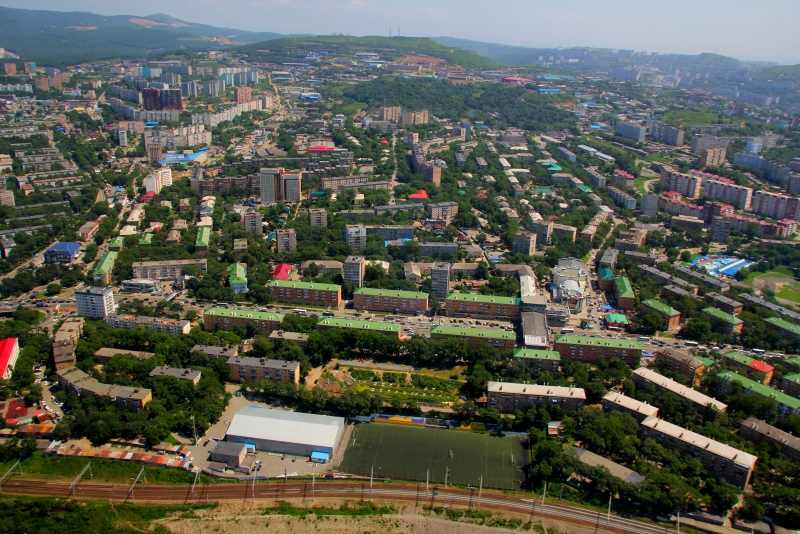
[781, 70]
[389, 48]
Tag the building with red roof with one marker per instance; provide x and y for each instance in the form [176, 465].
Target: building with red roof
[148, 197]
[420, 196]
[16, 412]
[515, 79]
[320, 148]
[282, 271]
[9, 352]
[384, 142]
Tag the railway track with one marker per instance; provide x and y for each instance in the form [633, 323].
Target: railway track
[355, 491]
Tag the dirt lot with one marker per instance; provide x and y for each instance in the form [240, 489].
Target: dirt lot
[247, 519]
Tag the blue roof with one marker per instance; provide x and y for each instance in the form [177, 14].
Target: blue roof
[324, 456]
[66, 246]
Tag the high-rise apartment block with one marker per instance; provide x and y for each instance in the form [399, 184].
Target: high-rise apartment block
[285, 240]
[720, 230]
[543, 231]
[776, 205]
[443, 211]
[440, 279]
[685, 184]
[712, 157]
[271, 185]
[252, 222]
[292, 187]
[356, 236]
[354, 268]
[318, 217]
[389, 113]
[242, 94]
[95, 302]
[409, 118]
[666, 134]
[649, 204]
[524, 243]
[738, 195]
[632, 131]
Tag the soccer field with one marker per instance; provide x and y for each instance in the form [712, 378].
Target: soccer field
[407, 453]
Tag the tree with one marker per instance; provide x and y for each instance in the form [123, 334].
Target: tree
[52, 290]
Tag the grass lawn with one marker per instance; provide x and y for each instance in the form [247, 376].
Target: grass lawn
[444, 373]
[688, 117]
[777, 272]
[790, 293]
[638, 184]
[410, 453]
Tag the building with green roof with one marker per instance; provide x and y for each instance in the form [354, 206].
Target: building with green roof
[103, 267]
[724, 323]
[626, 298]
[311, 293]
[146, 239]
[543, 360]
[475, 336]
[787, 330]
[203, 237]
[224, 319]
[617, 320]
[790, 384]
[785, 404]
[390, 300]
[237, 277]
[389, 329]
[488, 306]
[605, 277]
[754, 367]
[118, 243]
[671, 316]
[794, 362]
[707, 361]
[588, 349]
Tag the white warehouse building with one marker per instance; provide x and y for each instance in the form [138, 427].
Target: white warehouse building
[298, 434]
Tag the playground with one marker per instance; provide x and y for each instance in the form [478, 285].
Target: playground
[413, 452]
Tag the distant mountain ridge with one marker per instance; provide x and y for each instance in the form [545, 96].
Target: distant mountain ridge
[56, 37]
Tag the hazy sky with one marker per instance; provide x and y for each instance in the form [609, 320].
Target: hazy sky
[745, 29]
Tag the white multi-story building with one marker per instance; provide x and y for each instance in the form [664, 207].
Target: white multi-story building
[95, 302]
[292, 186]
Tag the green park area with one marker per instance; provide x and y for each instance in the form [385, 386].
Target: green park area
[689, 117]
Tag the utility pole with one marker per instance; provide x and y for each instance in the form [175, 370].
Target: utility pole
[194, 430]
[371, 471]
[313, 479]
[608, 514]
[543, 496]
[679, 521]
[446, 475]
[427, 477]
[255, 472]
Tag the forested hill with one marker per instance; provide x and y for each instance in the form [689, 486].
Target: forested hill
[514, 105]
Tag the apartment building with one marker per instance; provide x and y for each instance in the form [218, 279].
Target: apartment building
[542, 360]
[271, 184]
[443, 211]
[95, 302]
[166, 270]
[649, 207]
[285, 240]
[622, 403]
[318, 217]
[785, 405]
[720, 461]
[65, 341]
[722, 322]
[440, 279]
[131, 322]
[776, 205]
[712, 157]
[482, 306]
[314, 294]
[665, 133]
[687, 185]
[224, 319]
[724, 303]
[790, 384]
[588, 349]
[187, 375]
[252, 222]
[388, 329]
[671, 291]
[524, 243]
[720, 229]
[354, 269]
[564, 230]
[356, 236]
[101, 276]
[751, 366]
[739, 196]
[628, 130]
[432, 249]
[474, 337]
[788, 331]
[293, 187]
[682, 363]
[508, 397]
[623, 199]
[671, 316]
[127, 398]
[758, 431]
[389, 113]
[623, 292]
[710, 281]
[247, 369]
[630, 239]
[543, 231]
[389, 300]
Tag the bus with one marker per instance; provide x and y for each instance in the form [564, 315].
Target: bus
[691, 344]
[644, 338]
[567, 330]
[759, 351]
[299, 311]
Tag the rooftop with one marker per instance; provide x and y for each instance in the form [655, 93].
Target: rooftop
[756, 365]
[536, 389]
[662, 308]
[535, 354]
[783, 325]
[472, 332]
[570, 339]
[630, 403]
[263, 362]
[203, 236]
[237, 273]
[105, 263]
[722, 316]
[679, 389]
[390, 293]
[715, 447]
[761, 389]
[469, 297]
[181, 374]
[761, 427]
[606, 274]
[617, 318]
[304, 285]
[245, 314]
[285, 427]
[624, 289]
[592, 460]
[374, 326]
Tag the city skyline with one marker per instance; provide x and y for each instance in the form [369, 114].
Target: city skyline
[684, 27]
